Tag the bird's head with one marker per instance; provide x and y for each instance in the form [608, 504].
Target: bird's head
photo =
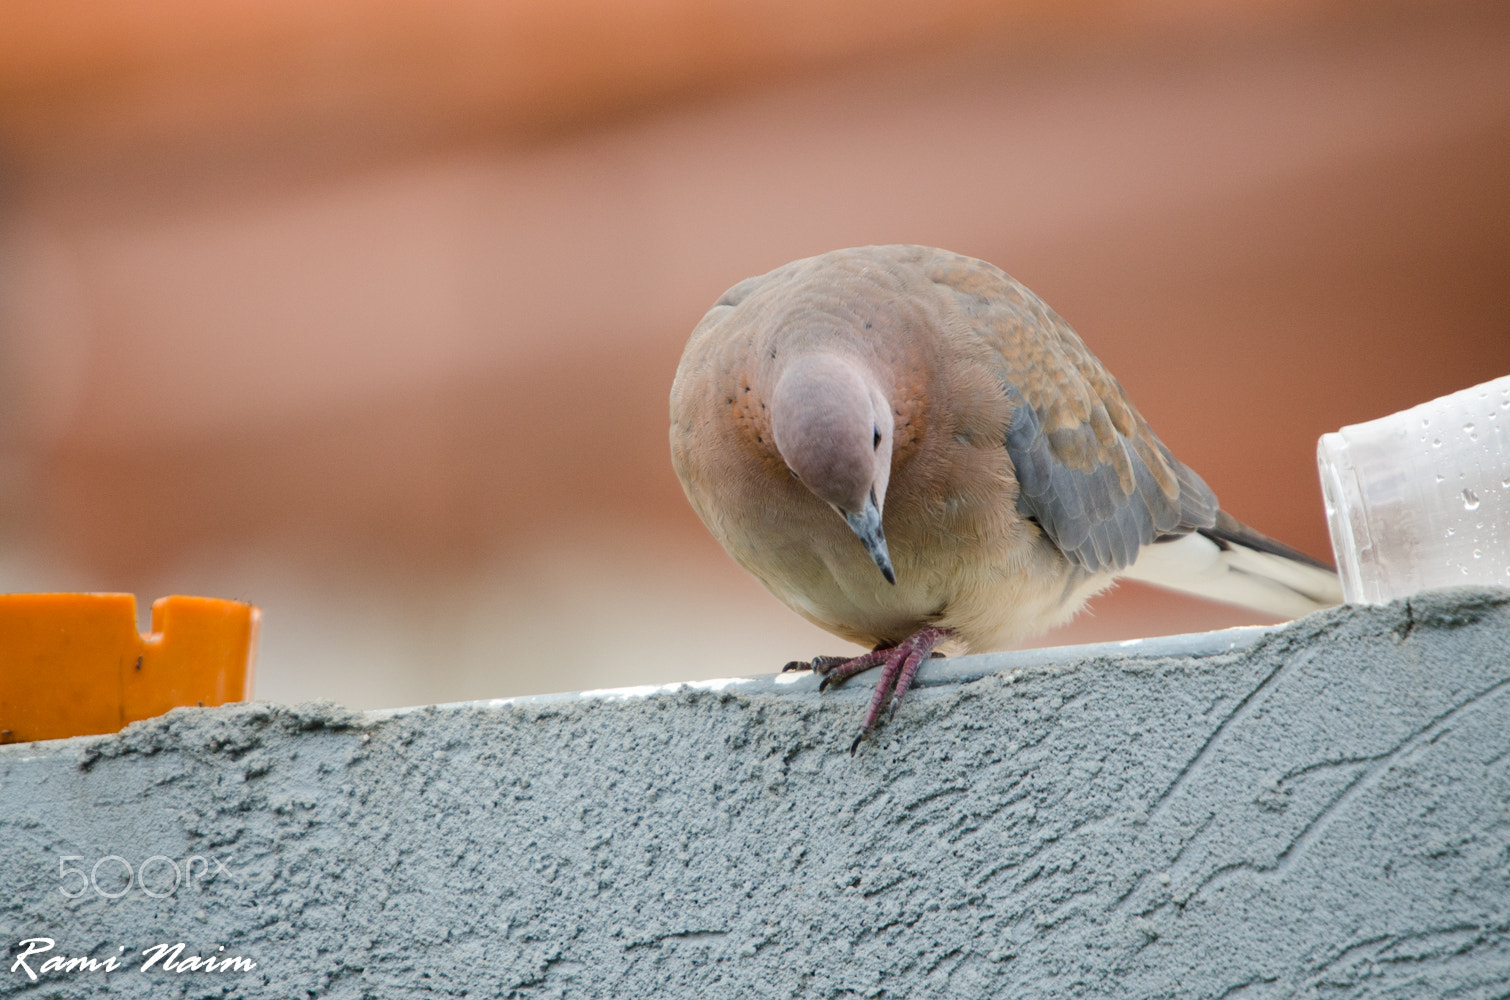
[833, 427]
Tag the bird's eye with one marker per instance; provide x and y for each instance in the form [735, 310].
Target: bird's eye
[875, 441]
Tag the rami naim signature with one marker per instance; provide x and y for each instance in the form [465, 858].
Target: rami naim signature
[167, 957]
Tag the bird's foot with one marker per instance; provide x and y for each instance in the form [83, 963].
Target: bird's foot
[899, 665]
[818, 664]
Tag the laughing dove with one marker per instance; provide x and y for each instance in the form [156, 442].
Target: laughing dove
[910, 450]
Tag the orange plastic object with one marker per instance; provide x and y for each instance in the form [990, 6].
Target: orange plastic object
[75, 665]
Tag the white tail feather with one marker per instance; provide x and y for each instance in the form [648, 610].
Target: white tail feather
[1262, 581]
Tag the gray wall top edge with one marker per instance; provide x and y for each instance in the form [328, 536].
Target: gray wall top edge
[936, 673]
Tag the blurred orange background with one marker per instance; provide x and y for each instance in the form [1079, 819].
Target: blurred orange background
[367, 312]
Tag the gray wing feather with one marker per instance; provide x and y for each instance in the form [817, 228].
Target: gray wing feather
[1086, 512]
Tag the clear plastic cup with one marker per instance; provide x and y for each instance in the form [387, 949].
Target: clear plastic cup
[1421, 498]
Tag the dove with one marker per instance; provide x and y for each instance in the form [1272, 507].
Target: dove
[909, 449]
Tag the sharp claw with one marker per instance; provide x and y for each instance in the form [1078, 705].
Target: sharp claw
[827, 679]
[856, 743]
[797, 665]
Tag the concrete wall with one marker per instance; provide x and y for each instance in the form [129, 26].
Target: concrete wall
[1321, 810]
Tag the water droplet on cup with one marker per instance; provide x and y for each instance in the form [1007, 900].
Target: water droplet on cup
[1470, 500]
[1468, 429]
[1436, 442]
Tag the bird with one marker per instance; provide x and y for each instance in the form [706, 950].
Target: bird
[912, 451]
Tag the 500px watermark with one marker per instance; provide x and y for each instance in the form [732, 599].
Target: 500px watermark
[159, 876]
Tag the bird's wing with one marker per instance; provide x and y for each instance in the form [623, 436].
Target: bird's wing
[1089, 469]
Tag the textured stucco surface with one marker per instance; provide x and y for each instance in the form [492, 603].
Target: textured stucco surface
[1321, 810]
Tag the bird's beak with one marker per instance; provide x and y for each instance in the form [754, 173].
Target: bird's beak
[867, 527]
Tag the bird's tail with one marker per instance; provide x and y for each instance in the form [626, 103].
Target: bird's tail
[1232, 563]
